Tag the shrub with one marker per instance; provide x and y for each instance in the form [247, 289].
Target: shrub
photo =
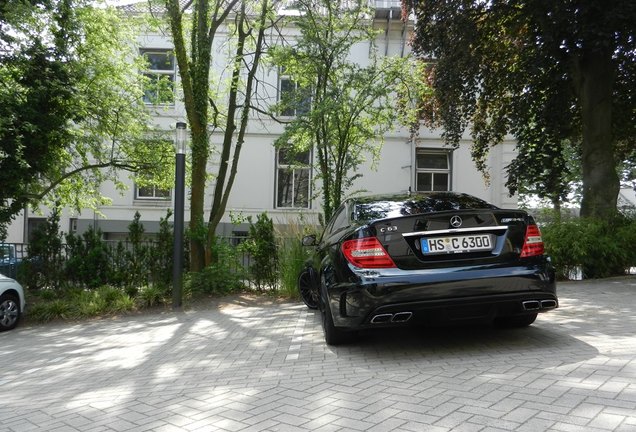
[151, 295]
[124, 303]
[222, 277]
[48, 311]
[44, 266]
[88, 263]
[75, 303]
[160, 259]
[262, 247]
[137, 257]
[600, 248]
[293, 257]
[88, 304]
[47, 295]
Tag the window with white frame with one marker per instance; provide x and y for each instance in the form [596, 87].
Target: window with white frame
[151, 193]
[433, 170]
[295, 100]
[160, 76]
[293, 179]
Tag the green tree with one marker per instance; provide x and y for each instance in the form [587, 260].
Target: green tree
[552, 73]
[45, 265]
[138, 253]
[244, 25]
[71, 109]
[343, 109]
[263, 250]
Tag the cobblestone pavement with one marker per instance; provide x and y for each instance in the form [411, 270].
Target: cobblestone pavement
[264, 367]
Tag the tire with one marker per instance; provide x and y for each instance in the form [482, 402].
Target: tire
[9, 312]
[307, 287]
[333, 334]
[515, 321]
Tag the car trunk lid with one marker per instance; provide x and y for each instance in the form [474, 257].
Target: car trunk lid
[457, 237]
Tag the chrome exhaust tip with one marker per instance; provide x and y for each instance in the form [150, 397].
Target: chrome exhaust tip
[402, 317]
[381, 319]
[548, 304]
[531, 305]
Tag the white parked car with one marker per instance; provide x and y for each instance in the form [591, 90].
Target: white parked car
[12, 303]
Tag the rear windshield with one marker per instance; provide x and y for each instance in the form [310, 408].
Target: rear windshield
[391, 208]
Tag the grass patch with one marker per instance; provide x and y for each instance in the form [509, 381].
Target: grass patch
[48, 305]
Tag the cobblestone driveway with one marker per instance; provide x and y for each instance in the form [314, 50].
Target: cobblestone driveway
[265, 367]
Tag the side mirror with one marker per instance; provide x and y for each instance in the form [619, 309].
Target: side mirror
[309, 240]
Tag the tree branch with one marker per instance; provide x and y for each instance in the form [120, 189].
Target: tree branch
[113, 164]
[270, 115]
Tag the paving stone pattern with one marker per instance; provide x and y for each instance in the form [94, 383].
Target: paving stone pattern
[265, 367]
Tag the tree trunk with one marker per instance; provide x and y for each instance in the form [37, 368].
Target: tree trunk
[197, 197]
[556, 208]
[594, 81]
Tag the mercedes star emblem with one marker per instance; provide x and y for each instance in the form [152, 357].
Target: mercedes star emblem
[456, 221]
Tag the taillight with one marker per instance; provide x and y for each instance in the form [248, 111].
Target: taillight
[367, 253]
[533, 244]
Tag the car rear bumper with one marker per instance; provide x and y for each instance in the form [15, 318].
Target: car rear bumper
[396, 297]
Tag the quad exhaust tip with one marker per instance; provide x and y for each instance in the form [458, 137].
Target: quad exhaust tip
[548, 304]
[381, 319]
[399, 317]
[535, 305]
[532, 305]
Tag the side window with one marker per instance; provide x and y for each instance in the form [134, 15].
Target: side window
[293, 175]
[160, 76]
[151, 193]
[294, 98]
[433, 170]
[339, 220]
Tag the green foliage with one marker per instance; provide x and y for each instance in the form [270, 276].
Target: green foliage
[36, 87]
[152, 295]
[293, 256]
[80, 304]
[226, 107]
[45, 256]
[71, 108]
[225, 275]
[88, 259]
[599, 248]
[557, 75]
[352, 106]
[138, 254]
[89, 262]
[49, 311]
[263, 250]
[161, 259]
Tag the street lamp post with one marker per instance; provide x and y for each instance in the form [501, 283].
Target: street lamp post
[179, 194]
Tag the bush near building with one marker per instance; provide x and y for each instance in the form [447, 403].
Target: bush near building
[591, 248]
[79, 276]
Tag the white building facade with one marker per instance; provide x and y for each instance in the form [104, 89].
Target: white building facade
[266, 183]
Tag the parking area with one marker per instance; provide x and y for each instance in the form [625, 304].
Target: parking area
[257, 365]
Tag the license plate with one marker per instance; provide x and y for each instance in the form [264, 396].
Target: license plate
[457, 244]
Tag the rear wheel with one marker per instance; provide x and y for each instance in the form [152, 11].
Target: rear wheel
[307, 288]
[333, 334]
[9, 311]
[515, 321]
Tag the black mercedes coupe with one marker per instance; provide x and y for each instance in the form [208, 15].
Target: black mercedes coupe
[426, 258]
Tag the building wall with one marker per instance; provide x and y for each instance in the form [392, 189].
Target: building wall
[254, 187]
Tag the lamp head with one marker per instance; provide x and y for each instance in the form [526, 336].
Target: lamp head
[180, 138]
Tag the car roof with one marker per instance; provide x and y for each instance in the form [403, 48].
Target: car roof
[419, 196]
[374, 207]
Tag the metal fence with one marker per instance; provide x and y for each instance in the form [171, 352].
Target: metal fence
[13, 255]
